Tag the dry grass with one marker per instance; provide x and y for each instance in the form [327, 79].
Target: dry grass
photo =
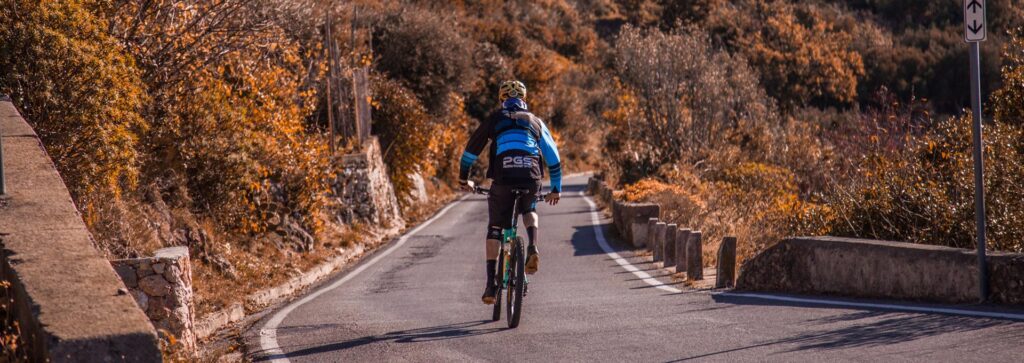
[719, 209]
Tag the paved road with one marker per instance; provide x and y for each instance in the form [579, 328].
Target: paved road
[421, 302]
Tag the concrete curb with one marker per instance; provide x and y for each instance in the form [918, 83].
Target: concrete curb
[210, 324]
[219, 319]
[269, 296]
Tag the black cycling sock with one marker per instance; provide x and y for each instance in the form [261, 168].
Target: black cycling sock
[490, 271]
[531, 232]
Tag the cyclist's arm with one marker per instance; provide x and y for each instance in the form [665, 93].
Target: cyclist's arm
[550, 152]
[474, 147]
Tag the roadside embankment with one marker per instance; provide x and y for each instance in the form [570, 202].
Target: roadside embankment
[836, 266]
[68, 300]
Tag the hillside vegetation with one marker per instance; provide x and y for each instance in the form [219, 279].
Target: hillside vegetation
[203, 122]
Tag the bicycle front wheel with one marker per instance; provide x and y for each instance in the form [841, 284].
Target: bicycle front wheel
[518, 283]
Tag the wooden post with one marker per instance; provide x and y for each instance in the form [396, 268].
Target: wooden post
[680, 244]
[726, 272]
[330, 74]
[694, 257]
[669, 247]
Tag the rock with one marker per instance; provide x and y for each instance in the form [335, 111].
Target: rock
[158, 268]
[173, 274]
[157, 311]
[273, 221]
[299, 234]
[141, 299]
[145, 269]
[122, 291]
[418, 192]
[127, 274]
[155, 285]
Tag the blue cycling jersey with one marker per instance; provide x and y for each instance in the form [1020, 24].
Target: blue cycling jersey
[520, 140]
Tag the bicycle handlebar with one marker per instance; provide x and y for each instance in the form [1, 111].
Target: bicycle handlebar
[486, 191]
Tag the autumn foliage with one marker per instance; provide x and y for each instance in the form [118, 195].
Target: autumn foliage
[204, 122]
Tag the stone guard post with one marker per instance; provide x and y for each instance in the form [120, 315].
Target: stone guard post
[726, 273]
[651, 233]
[659, 241]
[680, 244]
[162, 286]
[694, 257]
[669, 247]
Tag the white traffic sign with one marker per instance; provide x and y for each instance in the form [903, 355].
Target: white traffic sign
[974, 21]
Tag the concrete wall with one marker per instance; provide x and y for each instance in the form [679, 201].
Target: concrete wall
[880, 269]
[630, 220]
[70, 303]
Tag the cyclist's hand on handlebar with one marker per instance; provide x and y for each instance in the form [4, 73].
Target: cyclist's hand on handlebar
[467, 185]
[552, 198]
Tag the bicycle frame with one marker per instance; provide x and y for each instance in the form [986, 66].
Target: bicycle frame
[508, 235]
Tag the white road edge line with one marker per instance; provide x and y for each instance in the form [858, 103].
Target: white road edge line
[851, 304]
[268, 334]
[595, 219]
[601, 241]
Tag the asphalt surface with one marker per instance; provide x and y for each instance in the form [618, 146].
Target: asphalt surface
[421, 302]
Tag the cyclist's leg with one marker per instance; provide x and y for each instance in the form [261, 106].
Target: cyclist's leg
[532, 221]
[499, 210]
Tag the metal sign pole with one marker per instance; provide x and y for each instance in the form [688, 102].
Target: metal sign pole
[974, 32]
[979, 170]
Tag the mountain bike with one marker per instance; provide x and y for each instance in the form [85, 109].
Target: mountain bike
[511, 273]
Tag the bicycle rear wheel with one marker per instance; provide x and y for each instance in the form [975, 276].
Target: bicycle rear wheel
[499, 276]
[517, 283]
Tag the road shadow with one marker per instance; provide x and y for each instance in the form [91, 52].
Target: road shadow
[584, 241]
[420, 335]
[870, 329]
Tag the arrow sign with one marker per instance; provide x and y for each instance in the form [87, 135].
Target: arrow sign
[974, 6]
[974, 21]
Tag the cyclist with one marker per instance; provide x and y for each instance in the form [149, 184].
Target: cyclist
[519, 140]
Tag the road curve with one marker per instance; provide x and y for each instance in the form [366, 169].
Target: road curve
[419, 300]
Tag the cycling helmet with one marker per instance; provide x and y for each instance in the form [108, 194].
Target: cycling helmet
[511, 89]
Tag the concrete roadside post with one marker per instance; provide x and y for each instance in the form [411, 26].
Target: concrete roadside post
[726, 272]
[669, 247]
[659, 240]
[694, 257]
[649, 241]
[680, 244]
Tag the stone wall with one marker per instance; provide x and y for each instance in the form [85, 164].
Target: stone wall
[366, 190]
[162, 287]
[66, 298]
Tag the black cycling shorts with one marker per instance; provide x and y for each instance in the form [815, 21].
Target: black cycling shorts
[499, 203]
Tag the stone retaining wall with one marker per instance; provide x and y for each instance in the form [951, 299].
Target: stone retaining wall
[366, 190]
[69, 302]
[162, 286]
